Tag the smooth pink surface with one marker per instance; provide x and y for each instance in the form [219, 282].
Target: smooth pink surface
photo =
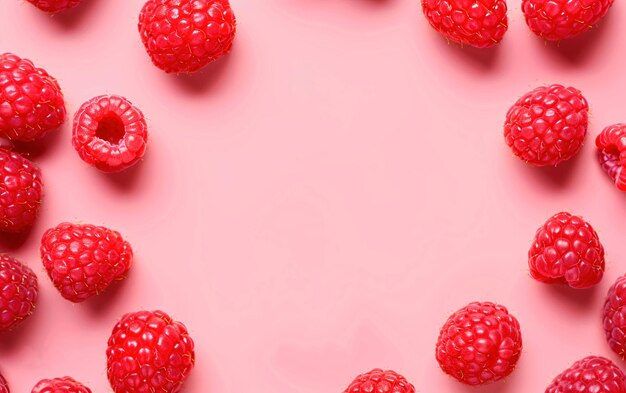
[318, 203]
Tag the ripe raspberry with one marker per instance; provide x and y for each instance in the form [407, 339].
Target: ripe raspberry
[20, 192]
[479, 23]
[149, 352]
[614, 317]
[556, 20]
[110, 133]
[479, 344]
[31, 102]
[186, 35]
[611, 144]
[379, 381]
[4, 386]
[18, 292]
[547, 125]
[53, 6]
[567, 250]
[593, 374]
[84, 260]
[60, 385]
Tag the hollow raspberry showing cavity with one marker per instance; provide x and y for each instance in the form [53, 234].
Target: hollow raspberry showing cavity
[110, 133]
[378, 381]
[611, 144]
[60, 385]
[567, 250]
[31, 102]
[18, 293]
[53, 6]
[186, 35]
[479, 344]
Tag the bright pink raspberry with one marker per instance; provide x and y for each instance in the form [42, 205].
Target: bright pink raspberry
[593, 374]
[479, 344]
[20, 192]
[110, 133]
[479, 23]
[31, 102]
[18, 293]
[60, 385]
[557, 20]
[567, 250]
[379, 381]
[547, 125]
[149, 352]
[53, 6]
[611, 144]
[4, 386]
[614, 317]
[186, 35]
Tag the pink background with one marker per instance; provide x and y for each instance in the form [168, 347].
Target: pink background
[316, 204]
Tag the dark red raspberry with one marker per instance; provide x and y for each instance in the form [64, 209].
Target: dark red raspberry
[614, 317]
[84, 260]
[547, 125]
[20, 192]
[611, 144]
[53, 6]
[379, 381]
[31, 102]
[60, 385]
[479, 23]
[593, 374]
[186, 35]
[479, 344]
[149, 352]
[561, 19]
[110, 133]
[567, 250]
[4, 386]
[18, 292]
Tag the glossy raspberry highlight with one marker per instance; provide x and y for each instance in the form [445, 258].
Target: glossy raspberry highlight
[611, 144]
[479, 23]
[53, 6]
[378, 380]
[84, 260]
[479, 344]
[31, 102]
[614, 317]
[60, 385]
[183, 36]
[20, 192]
[149, 352]
[18, 292]
[547, 125]
[593, 374]
[556, 20]
[110, 133]
[567, 250]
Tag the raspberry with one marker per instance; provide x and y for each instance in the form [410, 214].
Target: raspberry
[556, 20]
[593, 374]
[614, 317]
[4, 386]
[149, 352]
[31, 102]
[20, 192]
[53, 6]
[110, 133]
[479, 344]
[84, 260]
[479, 23]
[186, 35]
[60, 385]
[611, 144]
[379, 381]
[547, 125]
[567, 250]
[18, 292]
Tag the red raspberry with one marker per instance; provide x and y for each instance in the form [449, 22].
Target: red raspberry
[186, 35]
[53, 6]
[4, 386]
[556, 20]
[110, 133]
[60, 385]
[614, 317]
[31, 102]
[611, 144]
[567, 250]
[20, 192]
[479, 344]
[479, 23]
[149, 352]
[84, 260]
[547, 125]
[379, 381]
[593, 374]
[18, 292]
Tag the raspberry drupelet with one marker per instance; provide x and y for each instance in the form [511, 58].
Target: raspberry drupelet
[614, 317]
[611, 144]
[593, 374]
[60, 385]
[18, 292]
[378, 380]
[53, 6]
